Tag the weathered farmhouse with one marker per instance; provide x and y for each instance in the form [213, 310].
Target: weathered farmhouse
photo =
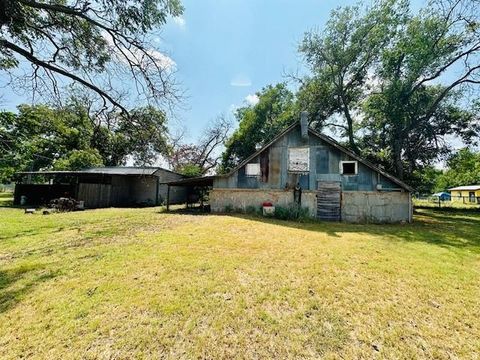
[303, 166]
[100, 187]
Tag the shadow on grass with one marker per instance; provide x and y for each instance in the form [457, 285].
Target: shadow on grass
[449, 229]
[6, 199]
[449, 209]
[16, 283]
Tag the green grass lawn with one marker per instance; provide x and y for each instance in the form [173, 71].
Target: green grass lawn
[6, 198]
[446, 205]
[139, 283]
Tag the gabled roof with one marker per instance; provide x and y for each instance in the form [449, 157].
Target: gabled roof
[466, 188]
[329, 141]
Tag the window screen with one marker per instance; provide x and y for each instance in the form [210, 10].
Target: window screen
[348, 167]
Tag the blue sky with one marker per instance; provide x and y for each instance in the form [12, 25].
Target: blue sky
[226, 50]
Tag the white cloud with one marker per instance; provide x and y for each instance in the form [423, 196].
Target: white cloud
[252, 99]
[162, 60]
[135, 55]
[241, 80]
[180, 22]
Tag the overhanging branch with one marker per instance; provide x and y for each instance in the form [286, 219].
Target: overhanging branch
[34, 60]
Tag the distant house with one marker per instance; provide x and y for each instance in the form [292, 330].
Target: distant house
[335, 183]
[100, 187]
[466, 194]
[443, 196]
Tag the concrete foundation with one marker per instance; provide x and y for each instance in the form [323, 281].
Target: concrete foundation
[240, 199]
[376, 207]
[357, 206]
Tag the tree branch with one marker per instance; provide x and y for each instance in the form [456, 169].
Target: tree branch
[33, 59]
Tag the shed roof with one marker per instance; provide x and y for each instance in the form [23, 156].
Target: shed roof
[113, 170]
[331, 142]
[193, 181]
[466, 188]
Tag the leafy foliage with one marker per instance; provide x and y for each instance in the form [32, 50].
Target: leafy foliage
[340, 58]
[463, 168]
[293, 213]
[386, 67]
[257, 124]
[88, 42]
[79, 159]
[189, 169]
[68, 138]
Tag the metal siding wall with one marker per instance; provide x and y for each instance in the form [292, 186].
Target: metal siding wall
[143, 190]
[178, 194]
[120, 192]
[324, 166]
[304, 181]
[94, 195]
[387, 184]
[246, 182]
[321, 160]
[366, 178]
[275, 171]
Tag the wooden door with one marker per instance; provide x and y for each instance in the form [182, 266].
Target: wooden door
[329, 200]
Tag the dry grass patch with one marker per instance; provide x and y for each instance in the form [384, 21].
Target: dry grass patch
[129, 283]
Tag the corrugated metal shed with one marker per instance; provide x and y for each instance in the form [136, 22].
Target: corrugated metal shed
[101, 186]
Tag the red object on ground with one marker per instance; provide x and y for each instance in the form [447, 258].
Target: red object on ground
[267, 203]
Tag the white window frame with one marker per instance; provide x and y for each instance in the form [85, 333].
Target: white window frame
[293, 170]
[349, 162]
[253, 169]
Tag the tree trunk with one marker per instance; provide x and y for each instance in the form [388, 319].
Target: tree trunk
[351, 139]
[350, 134]
[397, 157]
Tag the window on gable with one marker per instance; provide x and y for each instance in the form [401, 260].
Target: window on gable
[252, 169]
[348, 167]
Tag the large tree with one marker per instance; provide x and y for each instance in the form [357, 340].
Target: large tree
[259, 123]
[422, 79]
[404, 75]
[67, 138]
[98, 44]
[340, 59]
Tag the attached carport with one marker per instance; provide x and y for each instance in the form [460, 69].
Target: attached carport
[195, 187]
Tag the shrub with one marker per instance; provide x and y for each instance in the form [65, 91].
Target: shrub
[292, 213]
[253, 210]
[229, 208]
